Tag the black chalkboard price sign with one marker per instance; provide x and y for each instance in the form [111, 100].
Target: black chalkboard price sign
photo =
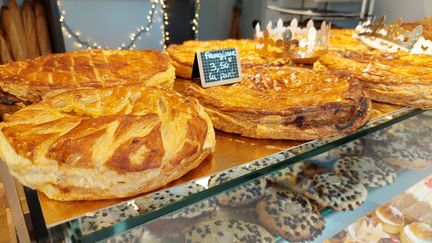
[217, 67]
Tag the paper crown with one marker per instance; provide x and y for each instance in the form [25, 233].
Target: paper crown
[393, 37]
[280, 40]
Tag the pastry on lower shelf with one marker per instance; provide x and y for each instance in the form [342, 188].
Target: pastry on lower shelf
[365, 230]
[290, 215]
[183, 55]
[365, 170]
[106, 217]
[396, 78]
[403, 151]
[284, 103]
[403, 201]
[106, 143]
[26, 82]
[174, 224]
[287, 176]
[354, 148]
[419, 211]
[390, 218]
[334, 191]
[239, 196]
[227, 230]
[416, 232]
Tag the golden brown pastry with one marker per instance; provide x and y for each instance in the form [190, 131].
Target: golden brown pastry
[27, 81]
[284, 103]
[391, 219]
[397, 78]
[12, 23]
[416, 233]
[105, 142]
[29, 20]
[183, 55]
[42, 30]
[426, 23]
[343, 39]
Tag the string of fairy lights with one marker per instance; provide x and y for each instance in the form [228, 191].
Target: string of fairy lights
[156, 5]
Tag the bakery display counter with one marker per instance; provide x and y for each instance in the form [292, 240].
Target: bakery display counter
[244, 175]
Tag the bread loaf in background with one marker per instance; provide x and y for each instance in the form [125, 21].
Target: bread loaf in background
[42, 30]
[5, 52]
[29, 21]
[15, 36]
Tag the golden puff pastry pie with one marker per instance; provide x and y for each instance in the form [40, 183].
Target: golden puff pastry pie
[106, 143]
[25, 82]
[182, 56]
[344, 39]
[284, 103]
[396, 78]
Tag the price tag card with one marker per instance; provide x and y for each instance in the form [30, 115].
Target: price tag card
[217, 67]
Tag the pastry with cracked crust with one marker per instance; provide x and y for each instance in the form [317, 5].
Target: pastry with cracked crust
[242, 195]
[106, 143]
[416, 232]
[396, 78]
[365, 170]
[26, 82]
[284, 103]
[183, 55]
[290, 215]
[227, 230]
[334, 191]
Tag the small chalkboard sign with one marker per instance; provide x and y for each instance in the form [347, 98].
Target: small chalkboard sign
[217, 67]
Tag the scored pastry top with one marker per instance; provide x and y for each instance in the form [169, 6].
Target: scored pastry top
[376, 67]
[30, 79]
[279, 90]
[97, 139]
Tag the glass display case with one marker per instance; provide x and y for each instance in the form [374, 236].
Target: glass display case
[304, 192]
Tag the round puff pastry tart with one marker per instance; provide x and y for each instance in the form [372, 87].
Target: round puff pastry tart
[284, 103]
[183, 55]
[26, 82]
[106, 143]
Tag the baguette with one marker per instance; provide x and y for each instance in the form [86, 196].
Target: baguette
[15, 13]
[13, 35]
[42, 30]
[5, 53]
[30, 29]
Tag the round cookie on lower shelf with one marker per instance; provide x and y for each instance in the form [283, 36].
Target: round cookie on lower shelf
[287, 176]
[227, 230]
[390, 218]
[173, 224]
[403, 153]
[335, 191]
[241, 195]
[290, 215]
[353, 148]
[416, 232]
[365, 170]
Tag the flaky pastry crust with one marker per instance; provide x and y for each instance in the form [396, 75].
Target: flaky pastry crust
[396, 78]
[106, 142]
[26, 82]
[182, 56]
[284, 103]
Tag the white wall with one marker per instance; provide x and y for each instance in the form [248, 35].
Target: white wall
[407, 9]
[111, 22]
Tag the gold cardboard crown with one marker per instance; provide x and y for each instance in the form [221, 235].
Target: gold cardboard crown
[393, 37]
[291, 41]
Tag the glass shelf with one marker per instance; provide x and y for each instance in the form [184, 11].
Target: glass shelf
[127, 215]
[168, 222]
